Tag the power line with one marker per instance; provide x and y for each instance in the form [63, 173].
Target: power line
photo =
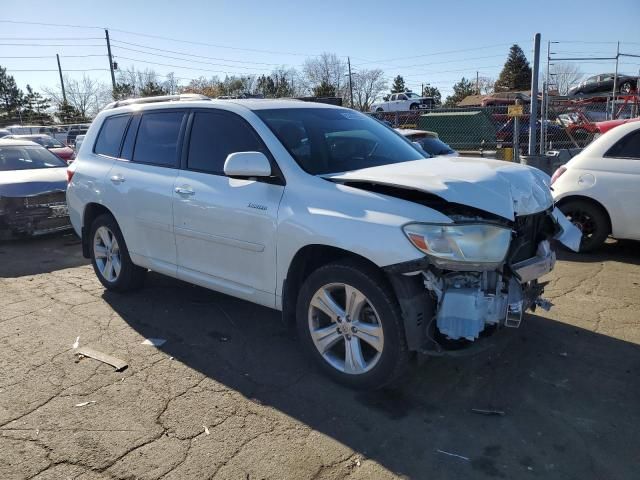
[66, 70]
[188, 54]
[52, 56]
[183, 59]
[47, 45]
[50, 38]
[176, 66]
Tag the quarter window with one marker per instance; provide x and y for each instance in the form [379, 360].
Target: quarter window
[627, 147]
[216, 135]
[110, 136]
[157, 140]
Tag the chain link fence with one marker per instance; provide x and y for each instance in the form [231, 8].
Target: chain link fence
[64, 132]
[490, 131]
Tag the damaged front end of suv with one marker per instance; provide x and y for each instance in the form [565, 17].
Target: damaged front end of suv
[481, 271]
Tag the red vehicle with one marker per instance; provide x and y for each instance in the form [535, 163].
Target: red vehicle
[56, 147]
[609, 124]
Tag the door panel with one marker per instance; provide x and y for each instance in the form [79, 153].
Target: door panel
[226, 230]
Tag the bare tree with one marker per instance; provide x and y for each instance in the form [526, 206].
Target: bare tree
[86, 95]
[564, 76]
[171, 83]
[328, 69]
[485, 85]
[367, 86]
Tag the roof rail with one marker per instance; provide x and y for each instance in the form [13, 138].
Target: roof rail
[183, 97]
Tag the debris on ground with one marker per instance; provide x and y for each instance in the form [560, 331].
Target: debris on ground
[76, 344]
[84, 404]
[155, 342]
[453, 455]
[356, 461]
[206, 430]
[482, 411]
[116, 363]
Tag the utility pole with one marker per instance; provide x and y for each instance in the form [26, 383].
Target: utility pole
[545, 103]
[350, 83]
[477, 83]
[615, 83]
[533, 112]
[64, 93]
[113, 77]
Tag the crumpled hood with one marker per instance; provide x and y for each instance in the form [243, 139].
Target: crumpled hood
[502, 188]
[28, 183]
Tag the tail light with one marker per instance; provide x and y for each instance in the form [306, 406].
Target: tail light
[70, 172]
[558, 173]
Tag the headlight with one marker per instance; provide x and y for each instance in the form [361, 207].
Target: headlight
[461, 246]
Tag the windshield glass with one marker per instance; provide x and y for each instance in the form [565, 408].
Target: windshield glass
[46, 142]
[25, 157]
[332, 140]
[435, 146]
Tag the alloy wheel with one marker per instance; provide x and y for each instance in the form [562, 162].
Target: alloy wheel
[345, 328]
[106, 252]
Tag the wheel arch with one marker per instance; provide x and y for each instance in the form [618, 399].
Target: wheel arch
[589, 200]
[91, 212]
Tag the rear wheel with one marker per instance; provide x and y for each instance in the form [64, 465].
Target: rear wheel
[379, 109]
[591, 220]
[110, 257]
[350, 323]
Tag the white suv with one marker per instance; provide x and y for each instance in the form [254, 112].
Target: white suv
[376, 252]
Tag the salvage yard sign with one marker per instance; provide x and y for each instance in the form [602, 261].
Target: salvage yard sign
[514, 110]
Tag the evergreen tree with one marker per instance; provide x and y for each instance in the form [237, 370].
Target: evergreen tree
[11, 97]
[123, 91]
[325, 89]
[462, 89]
[398, 85]
[152, 89]
[516, 73]
[34, 107]
[433, 92]
[69, 114]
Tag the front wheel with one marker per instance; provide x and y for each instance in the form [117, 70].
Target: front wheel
[590, 219]
[414, 106]
[350, 323]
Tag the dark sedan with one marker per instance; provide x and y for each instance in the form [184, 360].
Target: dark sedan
[625, 84]
[33, 184]
[54, 146]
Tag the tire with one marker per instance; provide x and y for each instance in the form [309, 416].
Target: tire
[379, 361]
[379, 109]
[104, 230]
[626, 87]
[413, 106]
[591, 219]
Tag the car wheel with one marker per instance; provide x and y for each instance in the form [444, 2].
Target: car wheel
[591, 220]
[110, 257]
[379, 109]
[350, 323]
[626, 87]
[414, 106]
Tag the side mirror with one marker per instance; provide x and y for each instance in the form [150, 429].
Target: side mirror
[247, 164]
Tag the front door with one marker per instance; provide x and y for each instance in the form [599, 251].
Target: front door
[225, 228]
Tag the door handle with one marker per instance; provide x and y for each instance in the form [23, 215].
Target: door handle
[117, 179]
[184, 190]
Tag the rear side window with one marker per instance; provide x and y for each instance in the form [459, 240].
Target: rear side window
[110, 136]
[627, 147]
[158, 139]
[216, 135]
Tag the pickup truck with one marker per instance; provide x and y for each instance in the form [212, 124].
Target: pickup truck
[401, 102]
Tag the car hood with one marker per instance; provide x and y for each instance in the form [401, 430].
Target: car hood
[27, 183]
[502, 188]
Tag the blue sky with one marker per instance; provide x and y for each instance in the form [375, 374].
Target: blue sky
[430, 42]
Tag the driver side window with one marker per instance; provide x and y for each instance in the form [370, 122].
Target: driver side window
[402, 97]
[393, 97]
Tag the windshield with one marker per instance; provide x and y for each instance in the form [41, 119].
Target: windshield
[46, 142]
[26, 157]
[435, 146]
[332, 140]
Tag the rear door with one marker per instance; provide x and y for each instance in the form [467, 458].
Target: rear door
[140, 187]
[622, 176]
[225, 228]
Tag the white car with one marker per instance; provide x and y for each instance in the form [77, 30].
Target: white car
[599, 189]
[318, 211]
[402, 102]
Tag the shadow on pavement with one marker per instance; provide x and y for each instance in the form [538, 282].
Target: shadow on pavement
[570, 396]
[36, 255]
[626, 251]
